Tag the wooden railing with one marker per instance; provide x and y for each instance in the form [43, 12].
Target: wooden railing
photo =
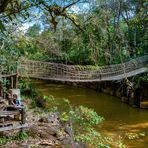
[62, 72]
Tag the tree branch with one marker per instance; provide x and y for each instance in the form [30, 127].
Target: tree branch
[3, 5]
[74, 22]
[16, 11]
[71, 4]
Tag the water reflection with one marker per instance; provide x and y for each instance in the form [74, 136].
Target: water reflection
[119, 118]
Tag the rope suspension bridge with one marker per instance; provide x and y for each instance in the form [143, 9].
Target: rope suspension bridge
[78, 73]
[57, 72]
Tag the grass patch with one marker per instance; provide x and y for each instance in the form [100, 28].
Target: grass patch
[20, 136]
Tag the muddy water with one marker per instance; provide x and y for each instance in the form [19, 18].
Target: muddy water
[119, 118]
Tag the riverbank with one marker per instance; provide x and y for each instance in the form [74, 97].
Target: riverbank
[133, 91]
[45, 129]
[120, 118]
[135, 95]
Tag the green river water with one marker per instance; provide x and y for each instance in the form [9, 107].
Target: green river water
[120, 118]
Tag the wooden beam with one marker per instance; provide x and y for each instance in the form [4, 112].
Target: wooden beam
[9, 113]
[13, 127]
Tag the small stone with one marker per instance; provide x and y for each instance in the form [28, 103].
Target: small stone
[46, 143]
[79, 145]
[67, 141]
[44, 119]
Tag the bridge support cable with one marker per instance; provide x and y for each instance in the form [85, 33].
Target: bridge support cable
[78, 73]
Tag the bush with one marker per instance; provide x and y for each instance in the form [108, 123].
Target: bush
[81, 120]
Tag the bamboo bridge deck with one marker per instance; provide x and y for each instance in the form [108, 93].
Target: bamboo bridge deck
[77, 73]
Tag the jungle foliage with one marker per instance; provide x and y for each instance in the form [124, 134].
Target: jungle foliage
[80, 32]
[82, 120]
[73, 31]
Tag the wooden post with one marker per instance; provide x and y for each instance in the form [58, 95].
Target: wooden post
[14, 81]
[23, 116]
[11, 82]
[16, 84]
[4, 94]
[1, 93]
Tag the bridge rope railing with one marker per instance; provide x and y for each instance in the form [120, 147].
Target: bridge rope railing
[38, 69]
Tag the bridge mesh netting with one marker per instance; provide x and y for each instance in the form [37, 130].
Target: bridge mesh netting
[77, 73]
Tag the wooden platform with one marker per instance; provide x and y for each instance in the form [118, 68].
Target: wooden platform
[8, 123]
[12, 118]
[13, 127]
[8, 113]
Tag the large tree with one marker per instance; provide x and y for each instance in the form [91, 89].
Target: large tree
[53, 9]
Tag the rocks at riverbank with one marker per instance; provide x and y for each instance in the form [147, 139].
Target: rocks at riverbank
[44, 130]
[135, 95]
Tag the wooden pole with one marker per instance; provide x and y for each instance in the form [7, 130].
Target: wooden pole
[11, 82]
[23, 116]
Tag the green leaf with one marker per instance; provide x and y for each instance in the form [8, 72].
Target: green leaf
[2, 27]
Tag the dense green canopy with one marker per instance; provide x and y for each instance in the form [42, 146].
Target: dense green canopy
[93, 32]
